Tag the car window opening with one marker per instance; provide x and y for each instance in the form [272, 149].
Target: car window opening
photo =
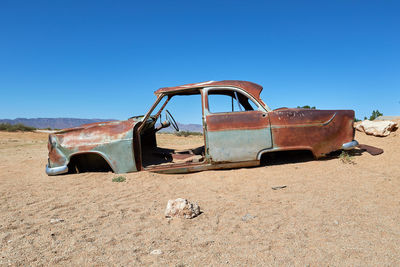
[223, 101]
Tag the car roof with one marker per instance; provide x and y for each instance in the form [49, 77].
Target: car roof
[252, 88]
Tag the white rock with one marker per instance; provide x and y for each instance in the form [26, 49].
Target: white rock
[56, 220]
[181, 207]
[376, 128]
[247, 217]
[156, 252]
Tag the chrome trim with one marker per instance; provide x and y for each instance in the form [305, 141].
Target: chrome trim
[350, 145]
[56, 170]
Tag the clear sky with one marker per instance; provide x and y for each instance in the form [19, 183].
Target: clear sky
[104, 59]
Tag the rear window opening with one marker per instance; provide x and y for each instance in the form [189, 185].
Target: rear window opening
[223, 101]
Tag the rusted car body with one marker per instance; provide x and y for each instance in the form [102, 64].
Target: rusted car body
[234, 138]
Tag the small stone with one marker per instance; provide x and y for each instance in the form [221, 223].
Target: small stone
[56, 220]
[156, 252]
[335, 222]
[247, 217]
[181, 207]
[278, 187]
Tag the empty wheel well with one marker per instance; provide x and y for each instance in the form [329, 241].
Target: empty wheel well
[88, 162]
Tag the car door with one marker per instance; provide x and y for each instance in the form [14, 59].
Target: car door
[237, 128]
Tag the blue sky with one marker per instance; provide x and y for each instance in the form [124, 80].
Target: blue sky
[104, 59]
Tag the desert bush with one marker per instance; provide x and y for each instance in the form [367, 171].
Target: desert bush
[187, 133]
[346, 158]
[19, 127]
[375, 114]
[119, 179]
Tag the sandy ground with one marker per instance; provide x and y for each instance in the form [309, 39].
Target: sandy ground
[330, 213]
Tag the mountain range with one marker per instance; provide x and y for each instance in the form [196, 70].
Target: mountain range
[61, 123]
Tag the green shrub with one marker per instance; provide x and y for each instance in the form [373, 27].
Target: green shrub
[375, 114]
[19, 127]
[307, 106]
[119, 179]
[346, 158]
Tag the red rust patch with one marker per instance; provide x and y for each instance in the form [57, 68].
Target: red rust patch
[87, 138]
[237, 121]
[55, 157]
[252, 88]
[293, 116]
[307, 131]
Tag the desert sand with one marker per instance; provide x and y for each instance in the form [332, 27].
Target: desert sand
[330, 213]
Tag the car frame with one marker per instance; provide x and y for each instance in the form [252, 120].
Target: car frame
[232, 139]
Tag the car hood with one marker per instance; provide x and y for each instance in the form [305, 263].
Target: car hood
[94, 134]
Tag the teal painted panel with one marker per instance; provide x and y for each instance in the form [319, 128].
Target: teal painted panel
[120, 155]
[238, 145]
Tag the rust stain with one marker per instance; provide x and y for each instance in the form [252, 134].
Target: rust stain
[55, 157]
[87, 138]
[293, 116]
[246, 120]
[321, 139]
[252, 88]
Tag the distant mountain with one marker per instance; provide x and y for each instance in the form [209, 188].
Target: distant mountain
[61, 123]
[54, 123]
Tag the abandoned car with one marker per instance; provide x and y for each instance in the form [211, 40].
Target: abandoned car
[236, 137]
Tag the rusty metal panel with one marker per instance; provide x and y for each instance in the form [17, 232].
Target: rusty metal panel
[56, 157]
[322, 131]
[246, 120]
[111, 140]
[294, 116]
[237, 136]
[204, 167]
[252, 88]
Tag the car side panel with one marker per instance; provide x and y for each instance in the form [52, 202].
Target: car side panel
[321, 131]
[237, 136]
[118, 154]
[113, 141]
[238, 145]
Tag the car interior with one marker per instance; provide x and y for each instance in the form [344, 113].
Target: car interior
[156, 155]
